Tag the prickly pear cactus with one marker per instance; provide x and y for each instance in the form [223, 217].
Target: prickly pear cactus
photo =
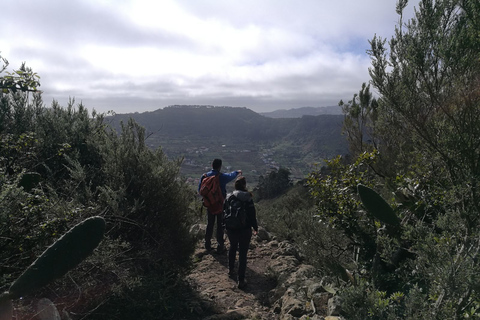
[377, 206]
[65, 254]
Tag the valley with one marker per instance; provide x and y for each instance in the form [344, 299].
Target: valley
[242, 138]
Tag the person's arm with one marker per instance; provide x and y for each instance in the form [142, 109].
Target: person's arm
[227, 177]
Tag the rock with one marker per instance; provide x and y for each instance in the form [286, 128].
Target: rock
[236, 314]
[276, 294]
[334, 306]
[277, 307]
[273, 244]
[283, 267]
[240, 313]
[263, 234]
[320, 302]
[292, 305]
[302, 274]
[286, 248]
[314, 288]
[314, 317]
[284, 264]
[240, 303]
[198, 231]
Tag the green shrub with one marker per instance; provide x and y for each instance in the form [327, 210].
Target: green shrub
[87, 169]
[293, 217]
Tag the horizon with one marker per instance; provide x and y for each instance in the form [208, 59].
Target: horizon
[212, 106]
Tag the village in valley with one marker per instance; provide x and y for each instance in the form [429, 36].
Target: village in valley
[253, 163]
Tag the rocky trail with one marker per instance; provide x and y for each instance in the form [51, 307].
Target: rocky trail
[279, 285]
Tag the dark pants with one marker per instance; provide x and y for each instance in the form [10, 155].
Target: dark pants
[239, 239]
[209, 232]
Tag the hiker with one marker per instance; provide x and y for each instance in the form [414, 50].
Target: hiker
[224, 179]
[240, 235]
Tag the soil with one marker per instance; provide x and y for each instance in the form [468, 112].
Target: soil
[220, 292]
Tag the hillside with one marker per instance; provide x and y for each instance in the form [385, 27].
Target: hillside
[198, 122]
[305, 111]
[243, 138]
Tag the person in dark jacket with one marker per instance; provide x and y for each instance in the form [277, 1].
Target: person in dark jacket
[240, 238]
[224, 179]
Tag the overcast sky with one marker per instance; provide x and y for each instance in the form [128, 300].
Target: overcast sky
[142, 55]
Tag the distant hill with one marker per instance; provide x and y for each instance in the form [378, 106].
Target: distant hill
[240, 136]
[305, 111]
[207, 122]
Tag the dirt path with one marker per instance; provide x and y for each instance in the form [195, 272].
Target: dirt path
[210, 279]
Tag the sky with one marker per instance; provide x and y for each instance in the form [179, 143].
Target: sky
[143, 55]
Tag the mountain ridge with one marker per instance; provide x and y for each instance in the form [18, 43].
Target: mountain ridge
[243, 138]
[303, 111]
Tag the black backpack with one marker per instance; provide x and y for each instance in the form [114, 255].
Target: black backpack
[234, 213]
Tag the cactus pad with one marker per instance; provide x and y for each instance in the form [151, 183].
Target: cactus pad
[377, 206]
[65, 254]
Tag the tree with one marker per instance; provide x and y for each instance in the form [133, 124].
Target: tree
[430, 96]
[426, 130]
[23, 79]
[359, 123]
[14, 90]
[274, 184]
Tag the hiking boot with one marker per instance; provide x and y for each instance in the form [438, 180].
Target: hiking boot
[242, 284]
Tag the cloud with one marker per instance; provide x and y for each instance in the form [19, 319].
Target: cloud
[139, 55]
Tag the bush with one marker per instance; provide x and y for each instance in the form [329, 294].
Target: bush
[293, 217]
[276, 183]
[63, 165]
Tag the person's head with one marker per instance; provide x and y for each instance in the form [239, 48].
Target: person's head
[217, 164]
[241, 184]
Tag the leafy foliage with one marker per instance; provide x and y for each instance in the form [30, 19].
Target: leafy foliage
[282, 215]
[334, 191]
[424, 131]
[291, 216]
[59, 166]
[23, 79]
[274, 184]
[359, 123]
[134, 178]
